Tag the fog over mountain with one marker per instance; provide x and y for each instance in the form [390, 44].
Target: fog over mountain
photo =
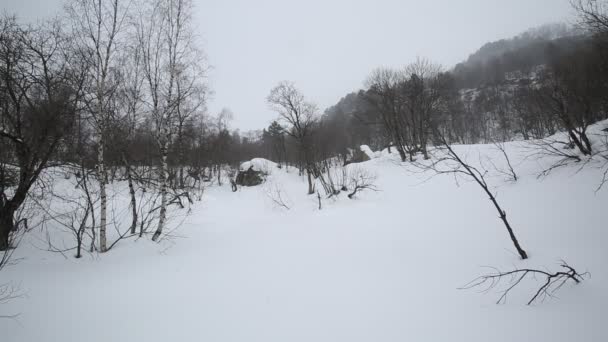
[328, 47]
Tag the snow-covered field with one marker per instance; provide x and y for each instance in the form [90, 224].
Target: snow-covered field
[385, 266]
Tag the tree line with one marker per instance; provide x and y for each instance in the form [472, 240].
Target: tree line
[117, 90]
[114, 89]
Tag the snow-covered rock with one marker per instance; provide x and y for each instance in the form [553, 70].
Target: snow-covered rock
[259, 164]
[363, 154]
[250, 177]
[368, 151]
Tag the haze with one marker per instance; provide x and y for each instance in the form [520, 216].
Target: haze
[328, 47]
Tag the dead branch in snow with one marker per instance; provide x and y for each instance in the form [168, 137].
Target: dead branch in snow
[555, 148]
[276, 195]
[551, 284]
[177, 199]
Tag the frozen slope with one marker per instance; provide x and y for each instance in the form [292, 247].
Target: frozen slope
[384, 267]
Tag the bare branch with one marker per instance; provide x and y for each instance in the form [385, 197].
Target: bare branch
[553, 281]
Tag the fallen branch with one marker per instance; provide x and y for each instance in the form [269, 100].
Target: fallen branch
[553, 281]
[276, 195]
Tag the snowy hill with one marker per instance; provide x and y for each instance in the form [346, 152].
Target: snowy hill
[385, 266]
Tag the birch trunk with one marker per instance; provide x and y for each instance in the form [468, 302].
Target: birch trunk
[103, 197]
[132, 193]
[311, 188]
[163, 192]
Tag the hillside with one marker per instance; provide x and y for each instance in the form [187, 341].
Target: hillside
[496, 62]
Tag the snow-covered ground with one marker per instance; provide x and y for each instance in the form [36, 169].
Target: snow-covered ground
[385, 266]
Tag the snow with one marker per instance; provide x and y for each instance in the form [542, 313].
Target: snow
[368, 151]
[383, 267]
[259, 164]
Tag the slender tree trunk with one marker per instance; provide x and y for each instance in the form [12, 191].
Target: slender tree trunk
[424, 142]
[401, 153]
[481, 182]
[311, 187]
[132, 193]
[78, 245]
[219, 175]
[163, 192]
[399, 145]
[586, 141]
[6, 226]
[578, 142]
[503, 217]
[103, 196]
[425, 152]
[181, 176]
[80, 234]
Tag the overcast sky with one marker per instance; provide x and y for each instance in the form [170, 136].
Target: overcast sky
[328, 47]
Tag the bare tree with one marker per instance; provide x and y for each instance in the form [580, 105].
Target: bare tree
[300, 114]
[510, 172]
[406, 101]
[384, 95]
[97, 26]
[169, 54]
[593, 14]
[554, 147]
[422, 98]
[128, 111]
[449, 162]
[38, 95]
[75, 220]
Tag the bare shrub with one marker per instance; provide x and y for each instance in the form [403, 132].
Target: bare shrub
[509, 172]
[360, 180]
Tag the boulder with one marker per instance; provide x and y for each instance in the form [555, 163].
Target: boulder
[250, 177]
[359, 155]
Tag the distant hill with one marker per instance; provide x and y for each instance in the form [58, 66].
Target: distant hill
[523, 53]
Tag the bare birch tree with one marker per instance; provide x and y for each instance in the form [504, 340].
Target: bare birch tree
[98, 25]
[169, 60]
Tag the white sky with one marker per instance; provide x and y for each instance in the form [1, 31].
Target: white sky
[328, 47]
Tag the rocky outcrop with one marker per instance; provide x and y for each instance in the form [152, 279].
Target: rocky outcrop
[358, 156]
[250, 177]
